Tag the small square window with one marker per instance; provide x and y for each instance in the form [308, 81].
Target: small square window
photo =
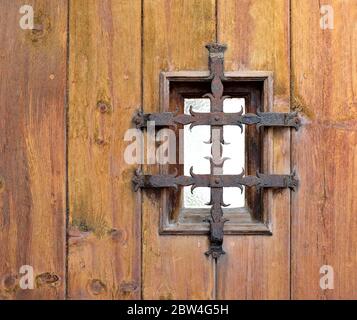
[183, 212]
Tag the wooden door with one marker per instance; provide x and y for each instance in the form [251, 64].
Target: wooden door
[69, 89]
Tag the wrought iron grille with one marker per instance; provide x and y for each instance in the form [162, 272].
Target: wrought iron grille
[216, 119]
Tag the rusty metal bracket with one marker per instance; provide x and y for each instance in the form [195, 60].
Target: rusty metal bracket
[261, 119]
[275, 181]
[216, 118]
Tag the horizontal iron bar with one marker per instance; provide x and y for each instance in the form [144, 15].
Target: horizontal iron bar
[261, 180]
[260, 119]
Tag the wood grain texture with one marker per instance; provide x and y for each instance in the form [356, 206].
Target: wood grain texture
[257, 35]
[324, 219]
[175, 33]
[32, 149]
[105, 234]
[104, 86]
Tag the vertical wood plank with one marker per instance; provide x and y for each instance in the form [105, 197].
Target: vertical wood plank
[104, 78]
[324, 220]
[32, 149]
[175, 33]
[257, 35]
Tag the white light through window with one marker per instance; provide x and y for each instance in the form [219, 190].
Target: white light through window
[195, 151]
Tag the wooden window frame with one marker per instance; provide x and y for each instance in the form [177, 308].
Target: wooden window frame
[256, 87]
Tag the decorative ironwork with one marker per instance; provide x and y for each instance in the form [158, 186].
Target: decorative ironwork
[260, 119]
[216, 118]
[261, 180]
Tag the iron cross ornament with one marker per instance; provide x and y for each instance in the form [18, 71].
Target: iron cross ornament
[216, 119]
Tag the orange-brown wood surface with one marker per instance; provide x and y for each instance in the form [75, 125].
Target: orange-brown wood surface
[32, 149]
[257, 35]
[106, 57]
[324, 212]
[104, 88]
[175, 33]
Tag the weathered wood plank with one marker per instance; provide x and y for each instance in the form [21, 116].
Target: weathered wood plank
[324, 220]
[32, 149]
[105, 67]
[257, 35]
[175, 33]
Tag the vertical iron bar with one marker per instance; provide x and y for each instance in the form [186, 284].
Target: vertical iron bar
[216, 67]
